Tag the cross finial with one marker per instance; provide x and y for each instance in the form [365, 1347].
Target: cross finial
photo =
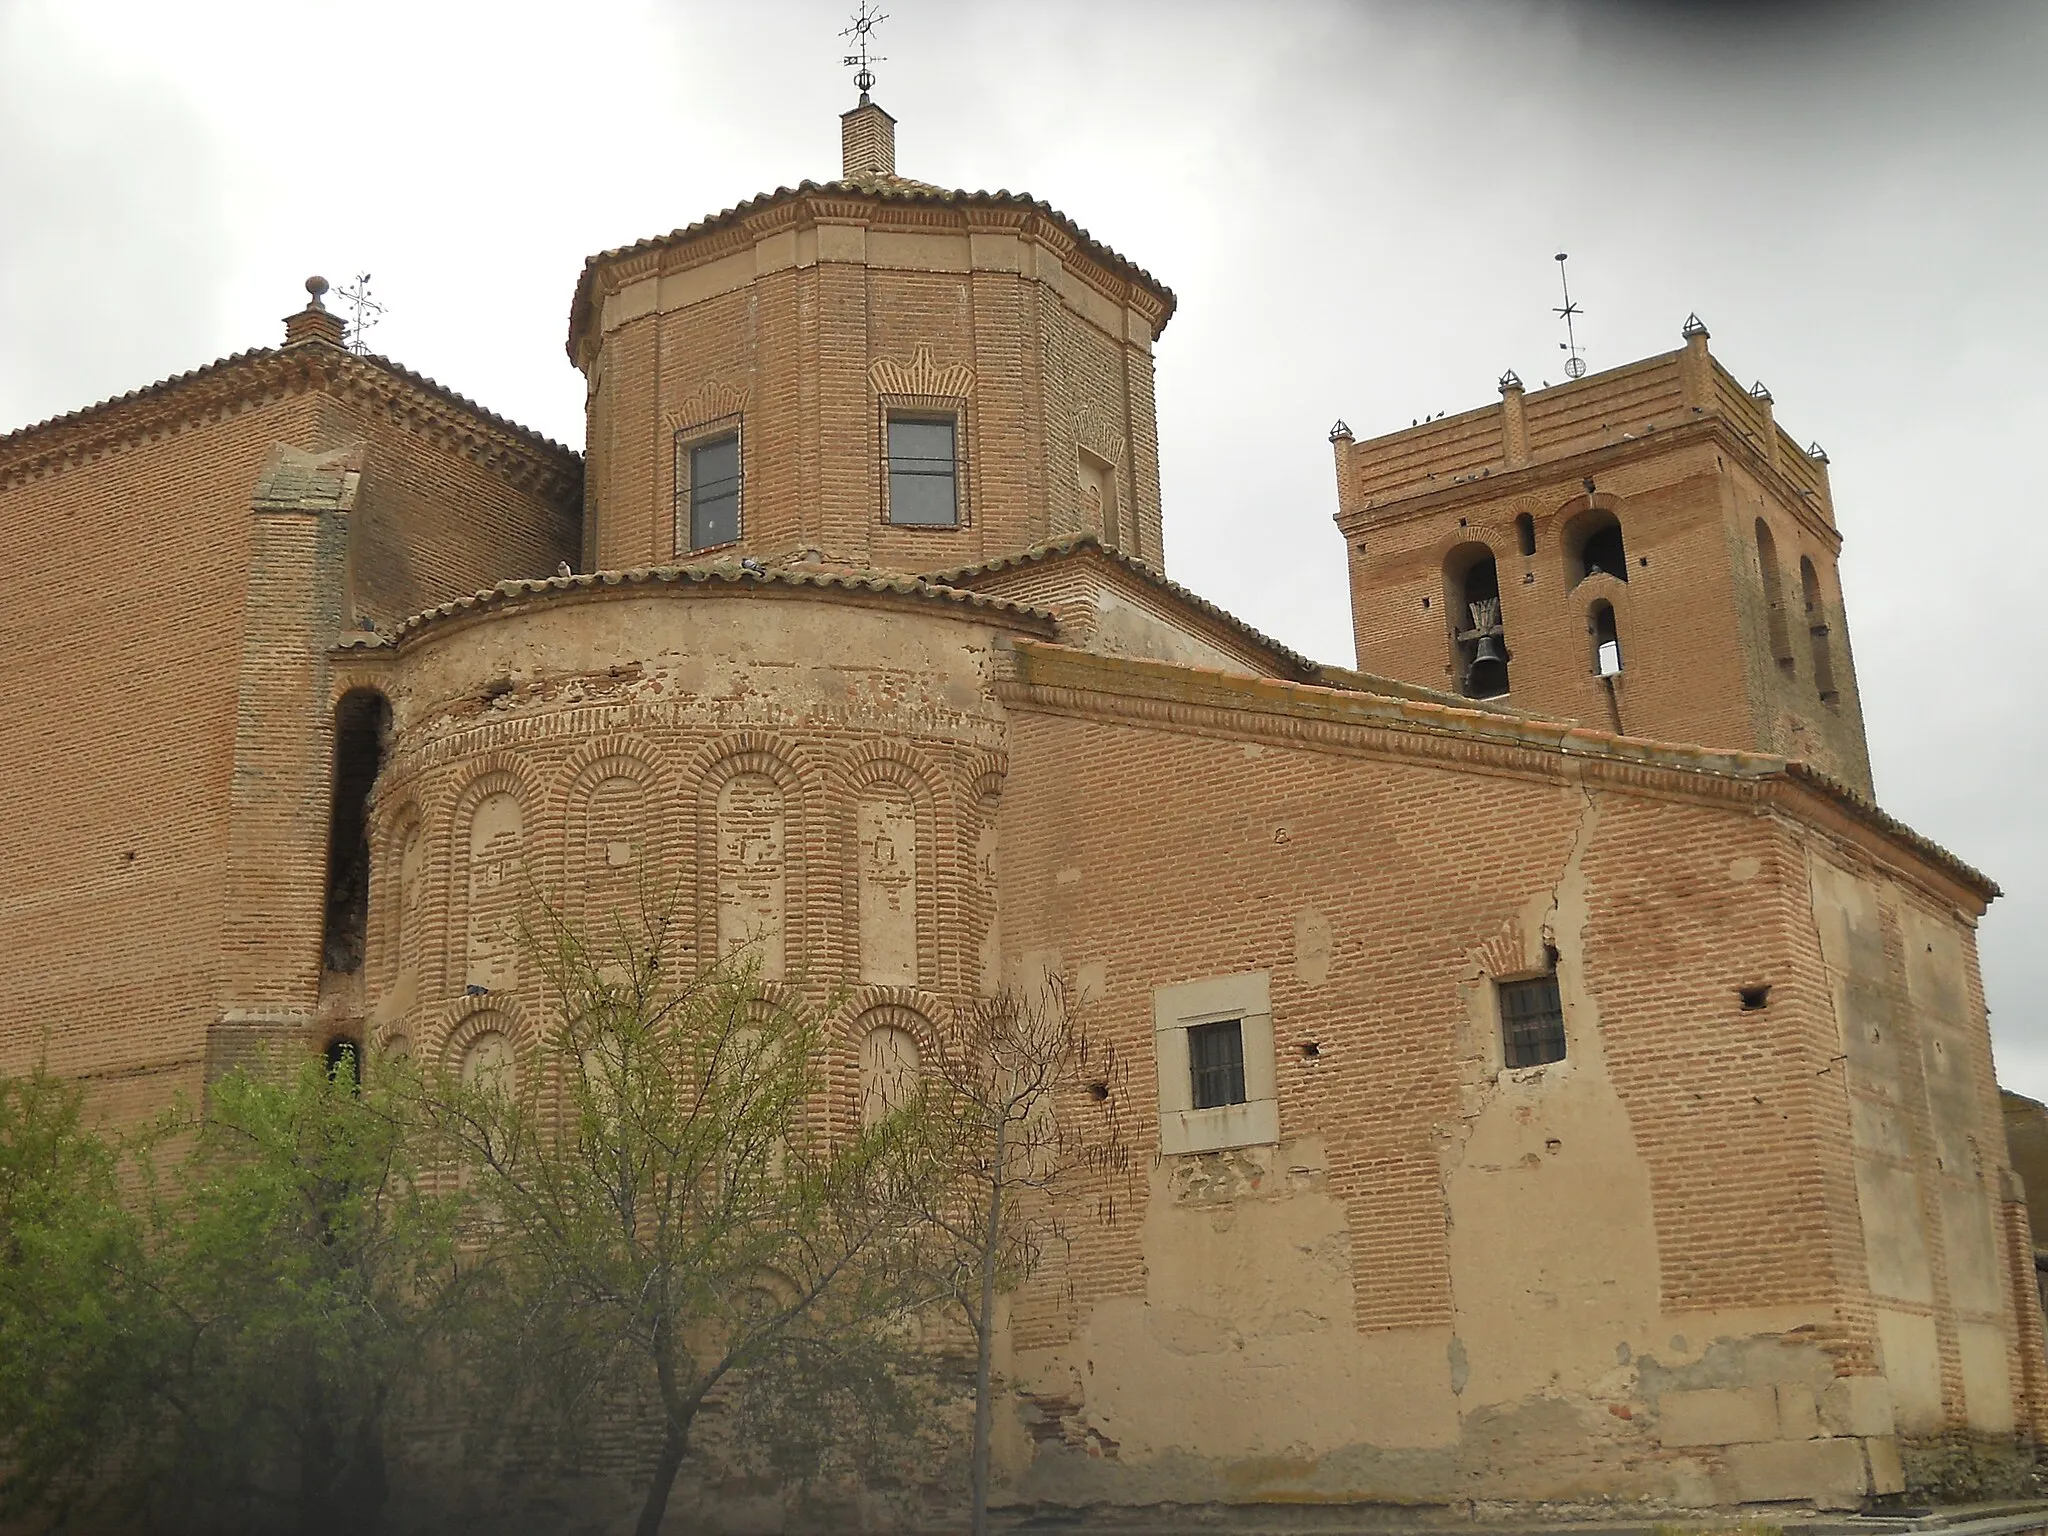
[865, 20]
[1574, 364]
[364, 311]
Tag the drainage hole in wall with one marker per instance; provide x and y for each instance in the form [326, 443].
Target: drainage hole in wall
[1754, 997]
[1098, 1091]
[1311, 1050]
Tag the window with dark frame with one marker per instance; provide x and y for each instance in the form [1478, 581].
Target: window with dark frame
[1216, 1063]
[1531, 1021]
[924, 479]
[708, 473]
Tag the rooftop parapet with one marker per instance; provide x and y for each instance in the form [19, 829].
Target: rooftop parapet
[1674, 391]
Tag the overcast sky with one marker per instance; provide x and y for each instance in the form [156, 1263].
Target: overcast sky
[1357, 205]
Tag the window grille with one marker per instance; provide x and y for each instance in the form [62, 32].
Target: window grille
[1531, 1021]
[714, 490]
[1216, 1063]
[923, 472]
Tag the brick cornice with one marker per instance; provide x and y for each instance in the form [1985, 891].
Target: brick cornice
[249, 379]
[725, 579]
[890, 202]
[1501, 484]
[1057, 679]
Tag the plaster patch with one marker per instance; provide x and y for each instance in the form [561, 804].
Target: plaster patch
[1313, 944]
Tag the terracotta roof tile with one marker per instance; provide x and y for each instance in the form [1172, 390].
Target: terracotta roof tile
[1090, 542]
[887, 188]
[730, 574]
[226, 367]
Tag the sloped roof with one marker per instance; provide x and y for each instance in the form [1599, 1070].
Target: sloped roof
[260, 368]
[896, 189]
[1090, 542]
[723, 573]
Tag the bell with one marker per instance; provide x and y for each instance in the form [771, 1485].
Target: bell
[1488, 676]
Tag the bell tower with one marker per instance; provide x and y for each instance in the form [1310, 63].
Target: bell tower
[1642, 550]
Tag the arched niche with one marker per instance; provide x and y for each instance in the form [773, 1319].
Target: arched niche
[891, 1063]
[1774, 595]
[1593, 546]
[1478, 633]
[362, 723]
[1817, 630]
[1606, 638]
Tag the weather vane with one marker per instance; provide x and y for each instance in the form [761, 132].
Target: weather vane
[865, 20]
[364, 312]
[1574, 365]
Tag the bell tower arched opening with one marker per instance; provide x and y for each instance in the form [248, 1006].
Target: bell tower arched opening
[1478, 638]
[1606, 639]
[1594, 547]
[1774, 594]
[1817, 630]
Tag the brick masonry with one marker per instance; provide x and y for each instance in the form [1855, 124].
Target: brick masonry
[1756, 1225]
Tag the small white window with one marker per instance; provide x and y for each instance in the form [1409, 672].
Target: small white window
[1214, 1044]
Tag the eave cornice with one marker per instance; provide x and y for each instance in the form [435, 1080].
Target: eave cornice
[1060, 679]
[716, 580]
[875, 201]
[1219, 623]
[249, 379]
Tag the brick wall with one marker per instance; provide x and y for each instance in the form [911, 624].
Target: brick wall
[166, 837]
[122, 647]
[808, 335]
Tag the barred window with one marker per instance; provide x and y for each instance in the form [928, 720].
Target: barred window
[924, 471]
[1216, 1063]
[708, 490]
[1531, 1021]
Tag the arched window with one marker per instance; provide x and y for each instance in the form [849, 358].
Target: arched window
[1606, 640]
[1817, 629]
[1593, 546]
[1774, 596]
[361, 720]
[1478, 640]
[1525, 534]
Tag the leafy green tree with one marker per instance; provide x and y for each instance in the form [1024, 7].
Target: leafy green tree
[218, 1340]
[673, 1216]
[82, 1335]
[316, 1279]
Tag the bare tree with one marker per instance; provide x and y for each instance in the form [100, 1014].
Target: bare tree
[1030, 1100]
[671, 1209]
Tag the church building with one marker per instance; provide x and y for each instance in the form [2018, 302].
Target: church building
[1553, 1077]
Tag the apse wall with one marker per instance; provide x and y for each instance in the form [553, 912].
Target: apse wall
[810, 780]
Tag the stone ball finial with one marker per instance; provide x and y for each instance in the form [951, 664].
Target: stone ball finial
[317, 287]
